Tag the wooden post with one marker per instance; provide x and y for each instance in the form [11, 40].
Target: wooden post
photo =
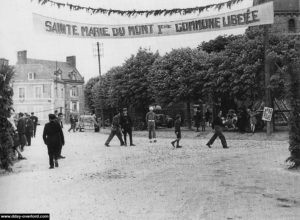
[268, 99]
[100, 81]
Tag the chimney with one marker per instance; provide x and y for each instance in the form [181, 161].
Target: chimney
[71, 60]
[22, 57]
[3, 62]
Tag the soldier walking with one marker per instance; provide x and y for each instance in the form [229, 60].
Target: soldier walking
[115, 130]
[218, 126]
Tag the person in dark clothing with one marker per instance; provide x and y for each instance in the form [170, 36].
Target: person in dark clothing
[208, 117]
[73, 123]
[60, 122]
[28, 129]
[35, 120]
[126, 125]
[115, 130]
[177, 132]
[21, 130]
[14, 137]
[60, 119]
[53, 137]
[218, 126]
[198, 118]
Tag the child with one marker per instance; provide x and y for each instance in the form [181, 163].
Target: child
[177, 132]
[203, 124]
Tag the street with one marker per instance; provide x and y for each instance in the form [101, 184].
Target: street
[153, 181]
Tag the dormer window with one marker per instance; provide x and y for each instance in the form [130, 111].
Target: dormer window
[72, 75]
[31, 76]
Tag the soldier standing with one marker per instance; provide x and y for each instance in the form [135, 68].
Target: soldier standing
[115, 130]
[35, 122]
[126, 125]
[150, 120]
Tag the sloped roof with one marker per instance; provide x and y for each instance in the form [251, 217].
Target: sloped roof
[44, 69]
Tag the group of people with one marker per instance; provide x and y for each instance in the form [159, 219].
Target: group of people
[121, 123]
[202, 120]
[22, 128]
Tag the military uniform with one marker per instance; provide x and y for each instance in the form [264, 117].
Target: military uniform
[115, 130]
[126, 124]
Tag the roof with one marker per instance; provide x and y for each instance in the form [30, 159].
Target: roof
[44, 69]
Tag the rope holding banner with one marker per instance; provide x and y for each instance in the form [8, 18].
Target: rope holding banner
[129, 13]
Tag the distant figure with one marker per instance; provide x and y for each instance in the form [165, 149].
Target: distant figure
[28, 129]
[60, 122]
[73, 123]
[115, 130]
[218, 126]
[198, 118]
[203, 124]
[177, 132]
[126, 125]
[60, 117]
[15, 138]
[21, 130]
[56, 113]
[150, 120]
[208, 117]
[53, 137]
[252, 119]
[35, 122]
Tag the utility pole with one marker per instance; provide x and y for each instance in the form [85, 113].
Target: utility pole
[268, 98]
[100, 81]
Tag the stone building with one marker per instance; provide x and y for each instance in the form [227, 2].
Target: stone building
[43, 86]
[286, 15]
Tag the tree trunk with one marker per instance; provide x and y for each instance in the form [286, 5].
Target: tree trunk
[189, 118]
[294, 134]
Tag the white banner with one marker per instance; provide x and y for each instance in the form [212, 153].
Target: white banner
[257, 15]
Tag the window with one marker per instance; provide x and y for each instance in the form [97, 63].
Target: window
[74, 107]
[74, 91]
[21, 93]
[38, 92]
[292, 25]
[31, 76]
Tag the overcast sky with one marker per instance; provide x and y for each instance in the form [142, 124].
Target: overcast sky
[17, 32]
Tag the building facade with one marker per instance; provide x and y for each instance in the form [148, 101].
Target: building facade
[43, 86]
[286, 15]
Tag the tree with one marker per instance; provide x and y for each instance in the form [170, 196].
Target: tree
[294, 95]
[237, 72]
[88, 94]
[174, 78]
[218, 44]
[6, 93]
